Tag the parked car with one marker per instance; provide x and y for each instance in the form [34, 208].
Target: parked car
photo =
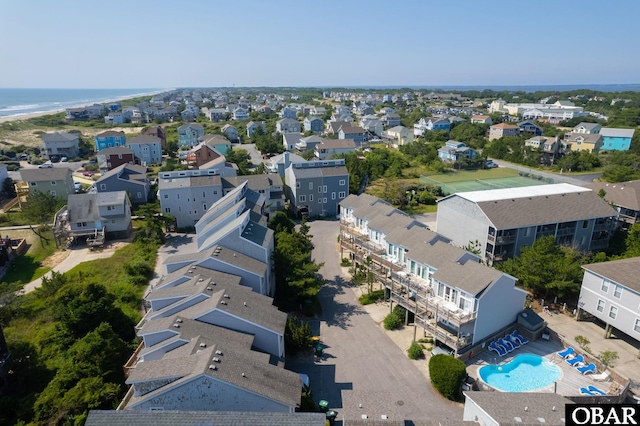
[88, 174]
[64, 159]
[45, 166]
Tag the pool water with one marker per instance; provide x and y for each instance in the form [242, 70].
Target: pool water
[525, 372]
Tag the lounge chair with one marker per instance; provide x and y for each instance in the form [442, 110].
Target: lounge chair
[585, 391]
[594, 390]
[509, 338]
[601, 377]
[591, 368]
[575, 361]
[519, 337]
[567, 352]
[497, 348]
[508, 346]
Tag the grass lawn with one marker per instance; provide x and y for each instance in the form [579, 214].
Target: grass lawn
[421, 209]
[28, 267]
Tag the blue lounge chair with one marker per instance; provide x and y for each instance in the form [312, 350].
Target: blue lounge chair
[509, 338]
[585, 391]
[508, 346]
[567, 352]
[575, 361]
[596, 391]
[591, 368]
[519, 337]
[497, 348]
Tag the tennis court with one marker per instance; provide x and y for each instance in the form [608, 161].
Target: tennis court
[480, 180]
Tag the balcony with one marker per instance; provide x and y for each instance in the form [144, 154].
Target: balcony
[133, 360]
[563, 232]
[506, 239]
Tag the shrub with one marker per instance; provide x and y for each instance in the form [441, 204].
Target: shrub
[447, 374]
[369, 298]
[415, 351]
[608, 358]
[392, 321]
[584, 343]
[297, 335]
[345, 262]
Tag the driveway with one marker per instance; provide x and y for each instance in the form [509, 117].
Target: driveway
[363, 371]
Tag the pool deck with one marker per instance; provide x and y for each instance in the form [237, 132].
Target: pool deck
[570, 381]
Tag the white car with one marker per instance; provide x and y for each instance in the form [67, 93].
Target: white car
[45, 166]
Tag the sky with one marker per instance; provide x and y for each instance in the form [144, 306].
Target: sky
[213, 43]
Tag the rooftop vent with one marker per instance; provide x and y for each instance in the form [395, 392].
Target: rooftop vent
[176, 325]
[203, 345]
[213, 367]
[244, 375]
[200, 280]
[245, 303]
[218, 352]
[209, 288]
[223, 302]
[226, 296]
[215, 359]
[179, 320]
[541, 420]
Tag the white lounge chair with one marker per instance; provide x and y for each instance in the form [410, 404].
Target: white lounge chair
[601, 377]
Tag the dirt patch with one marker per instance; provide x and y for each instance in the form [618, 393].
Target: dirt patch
[56, 258]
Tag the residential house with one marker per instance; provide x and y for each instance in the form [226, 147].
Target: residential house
[363, 109]
[342, 110]
[188, 115]
[398, 136]
[288, 125]
[99, 216]
[431, 124]
[57, 181]
[110, 139]
[147, 148]
[616, 139]
[156, 131]
[551, 148]
[508, 408]
[115, 118]
[217, 114]
[308, 144]
[198, 418]
[481, 119]
[390, 120]
[59, 145]
[589, 128]
[584, 142]
[455, 151]
[505, 220]
[288, 112]
[240, 114]
[254, 126]
[453, 296]
[313, 124]
[188, 135]
[332, 147]
[84, 113]
[231, 133]
[281, 162]
[268, 185]
[529, 127]
[217, 142]
[372, 124]
[611, 292]
[110, 158]
[315, 188]
[354, 133]
[333, 127]
[289, 140]
[503, 130]
[126, 177]
[188, 194]
[318, 110]
[624, 196]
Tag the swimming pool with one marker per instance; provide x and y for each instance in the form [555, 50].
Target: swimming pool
[525, 372]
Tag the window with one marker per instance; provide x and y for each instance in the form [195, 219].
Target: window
[139, 194]
[81, 224]
[166, 196]
[320, 190]
[310, 197]
[215, 192]
[178, 196]
[527, 232]
[636, 326]
[342, 194]
[319, 200]
[333, 195]
[203, 194]
[120, 156]
[53, 193]
[167, 210]
[103, 186]
[617, 291]
[33, 183]
[324, 189]
[585, 224]
[342, 182]
[53, 182]
[324, 200]
[110, 208]
[303, 198]
[605, 286]
[297, 184]
[600, 306]
[613, 312]
[310, 185]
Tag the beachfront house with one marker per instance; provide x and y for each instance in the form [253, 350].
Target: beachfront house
[110, 139]
[147, 148]
[58, 145]
[616, 139]
[611, 292]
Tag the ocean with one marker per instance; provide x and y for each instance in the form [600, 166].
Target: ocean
[16, 102]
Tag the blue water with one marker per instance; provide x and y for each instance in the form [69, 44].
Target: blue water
[15, 102]
[526, 372]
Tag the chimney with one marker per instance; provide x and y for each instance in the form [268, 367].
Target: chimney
[286, 159]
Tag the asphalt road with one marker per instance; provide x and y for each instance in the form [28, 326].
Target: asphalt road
[361, 365]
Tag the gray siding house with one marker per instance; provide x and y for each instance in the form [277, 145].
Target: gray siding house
[611, 292]
[316, 188]
[106, 214]
[59, 145]
[288, 125]
[505, 220]
[188, 194]
[58, 181]
[126, 177]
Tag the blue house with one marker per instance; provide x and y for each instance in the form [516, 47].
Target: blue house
[616, 139]
[188, 135]
[454, 151]
[110, 139]
[358, 134]
[529, 127]
[314, 124]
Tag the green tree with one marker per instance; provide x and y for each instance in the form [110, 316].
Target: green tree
[280, 222]
[241, 158]
[447, 373]
[632, 242]
[39, 211]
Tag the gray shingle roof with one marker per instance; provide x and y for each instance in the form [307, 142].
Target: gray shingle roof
[57, 136]
[504, 407]
[116, 150]
[540, 210]
[84, 207]
[143, 139]
[200, 418]
[189, 181]
[110, 133]
[40, 175]
[623, 194]
[336, 144]
[612, 132]
[130, 172]
[623, 271]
